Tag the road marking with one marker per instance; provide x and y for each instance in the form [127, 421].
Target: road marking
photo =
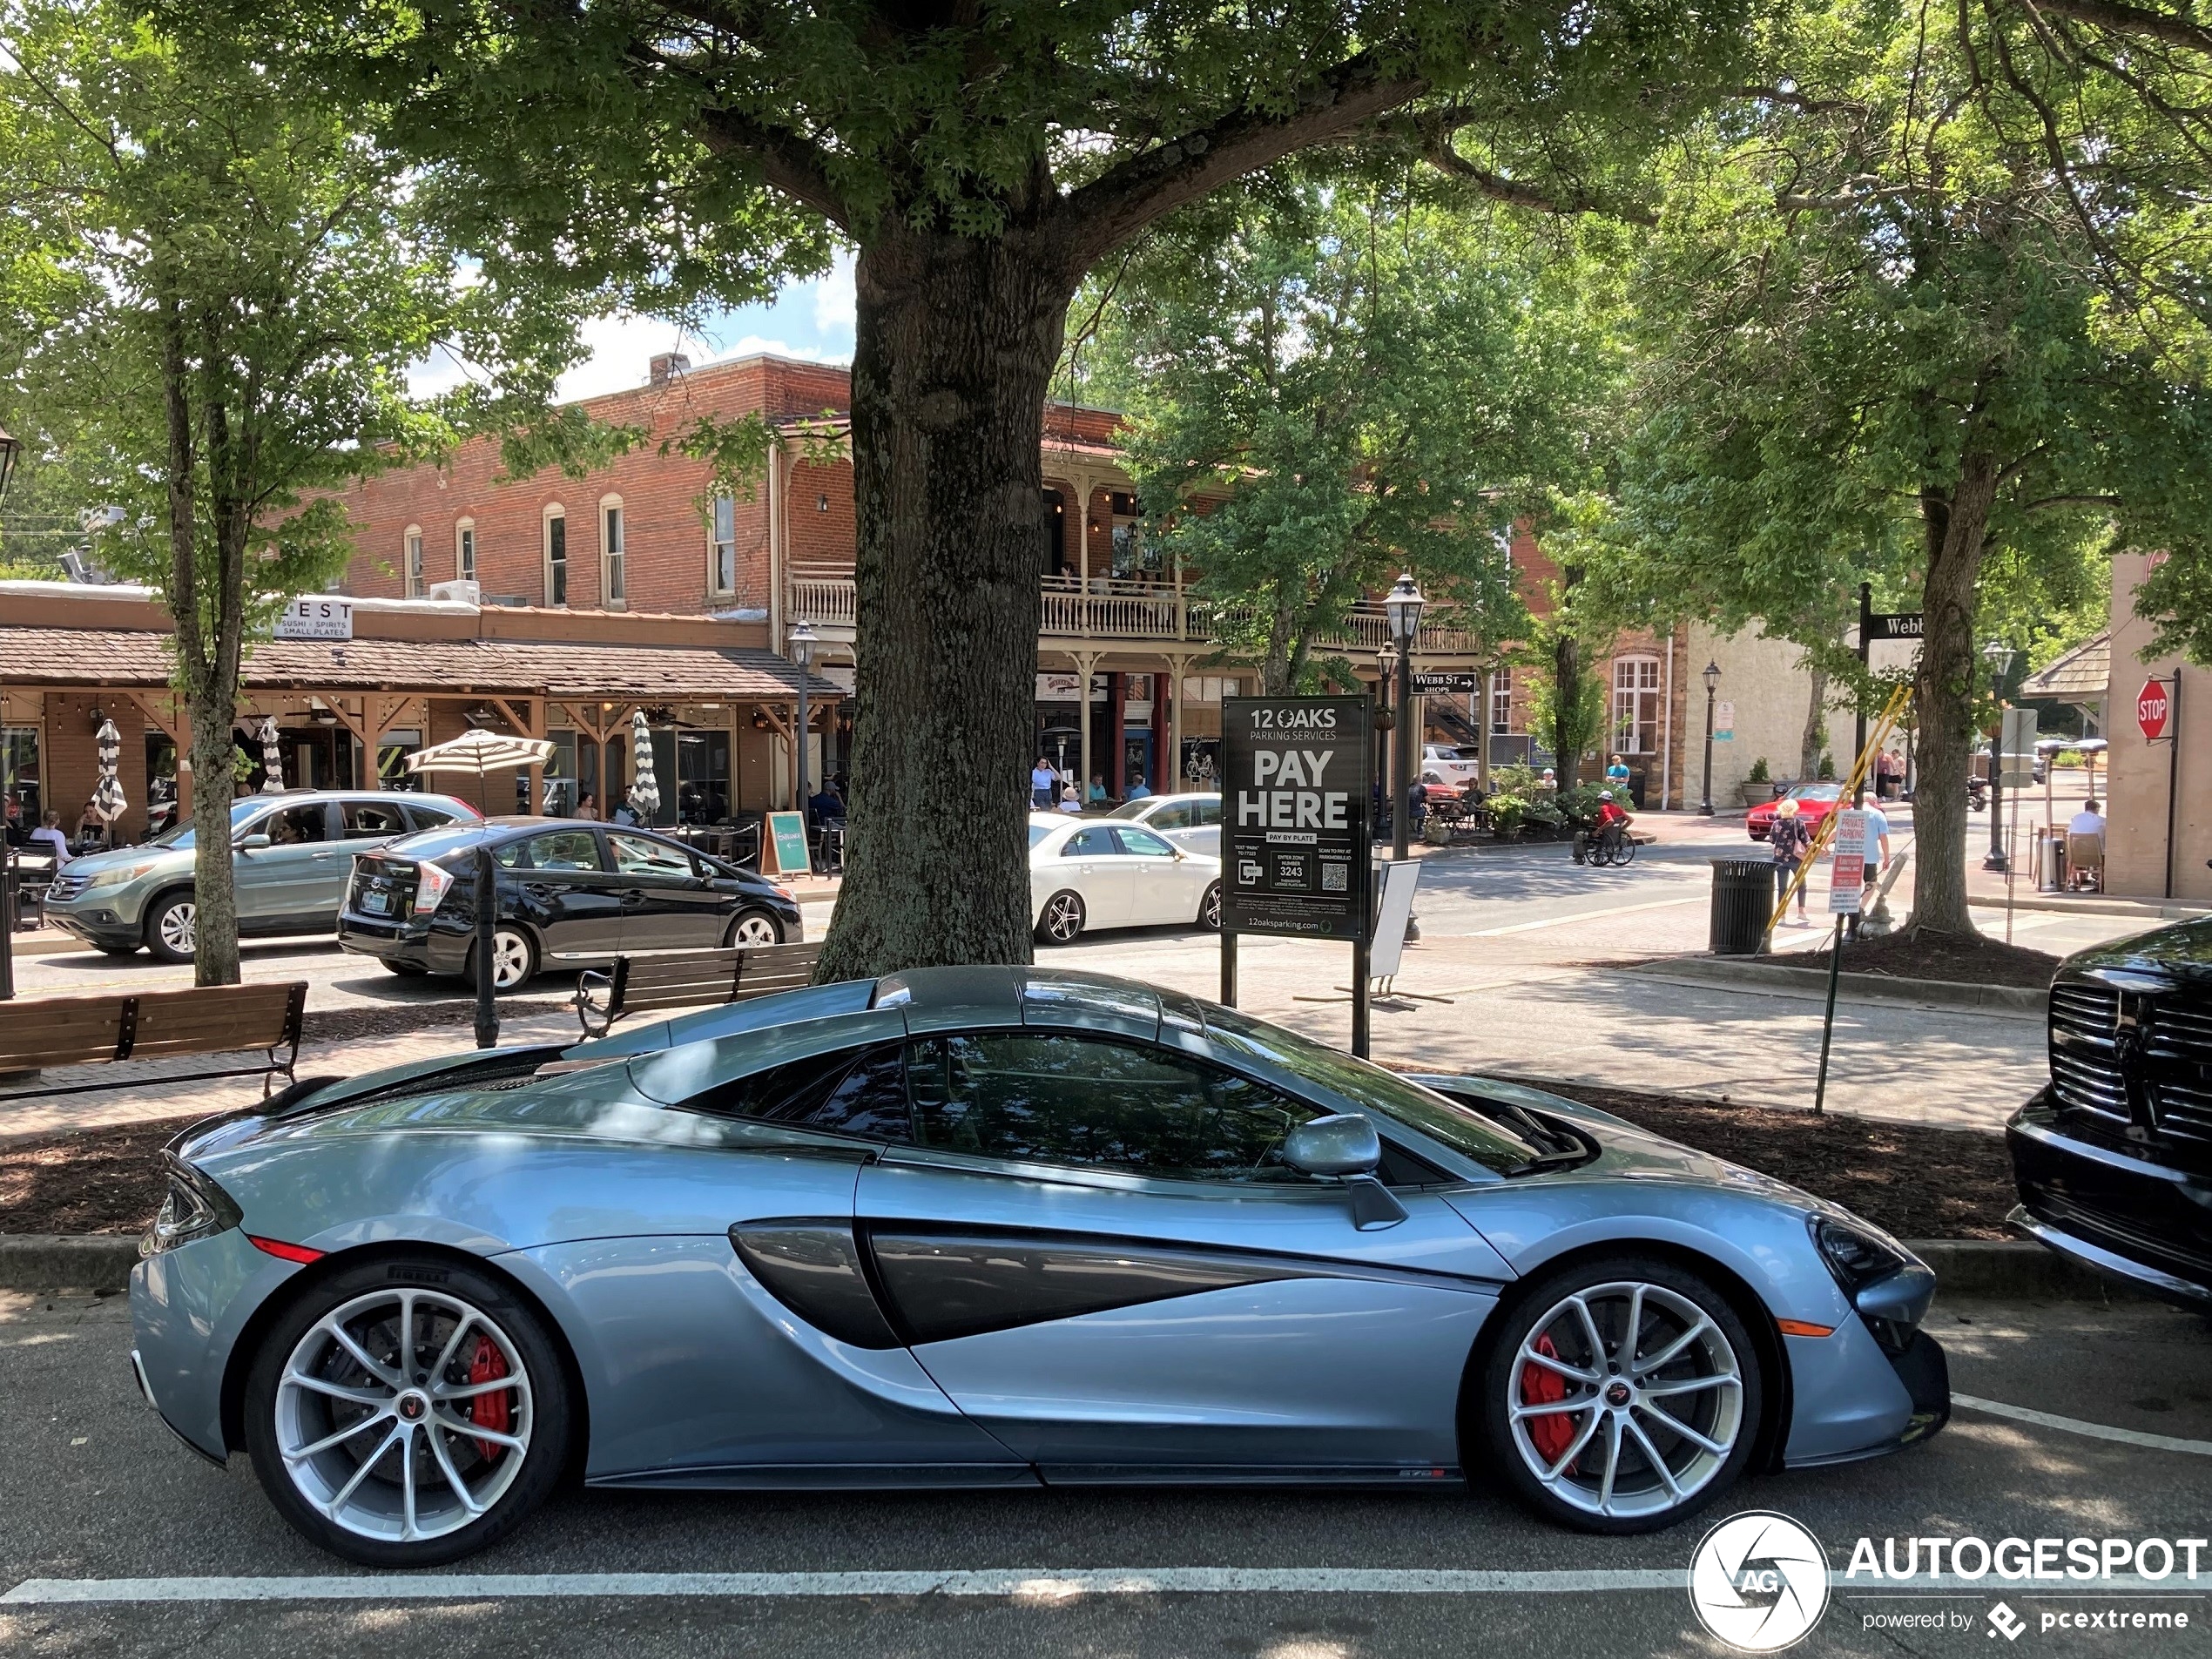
[2075, 1425]
[1579, 915]
[1042, 1584]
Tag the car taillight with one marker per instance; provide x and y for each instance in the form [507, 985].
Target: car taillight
[194, 1207]
[431, 884]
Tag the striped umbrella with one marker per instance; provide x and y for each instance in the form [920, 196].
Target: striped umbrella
[644, 788]
[272, 759]
[480, 751]
[107, 797]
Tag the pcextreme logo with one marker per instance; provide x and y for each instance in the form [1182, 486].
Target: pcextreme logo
[1759, 1581]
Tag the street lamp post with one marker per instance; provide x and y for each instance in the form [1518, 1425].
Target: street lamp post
[802, 652]
[1999, 656]
[1712, 683]
[9, 448]
[1403, 607]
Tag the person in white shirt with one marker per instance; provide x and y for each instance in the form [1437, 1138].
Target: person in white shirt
[2087, 821]
[1877, 846]
[50, 832]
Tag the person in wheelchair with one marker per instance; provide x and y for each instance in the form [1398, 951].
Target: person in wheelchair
[1602, 838]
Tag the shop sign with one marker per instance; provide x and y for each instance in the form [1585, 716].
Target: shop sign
[1297, 776]
[1059, 688]
[787, 844]
[1456, 683]
[316, 617]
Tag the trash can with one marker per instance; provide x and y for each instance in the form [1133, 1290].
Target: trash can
[2050, 861]
[1743, 899]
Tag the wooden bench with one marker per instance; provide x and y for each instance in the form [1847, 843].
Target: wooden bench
[43, 1033]
[689, 979]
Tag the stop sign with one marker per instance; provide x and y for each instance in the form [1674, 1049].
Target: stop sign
[2151, 707]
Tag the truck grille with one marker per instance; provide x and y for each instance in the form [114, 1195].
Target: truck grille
[2175, 1058]
[2085, 1071]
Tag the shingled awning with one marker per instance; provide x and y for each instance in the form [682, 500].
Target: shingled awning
[2083, 673]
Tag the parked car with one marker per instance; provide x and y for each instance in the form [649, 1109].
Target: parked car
[1192, 822]
[571, 895]
[1815, 802]
[1456, 764]
[994, 1226]
[1090, 874]
[2114, 1156]
[292, 855]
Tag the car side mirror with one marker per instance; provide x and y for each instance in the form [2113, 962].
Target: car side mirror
[252, 843]
[1344, 1145]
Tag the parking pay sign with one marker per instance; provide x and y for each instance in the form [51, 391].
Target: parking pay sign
[1295, 789]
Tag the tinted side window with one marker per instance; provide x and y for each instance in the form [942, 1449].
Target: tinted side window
[368, 817]
[1144, 844]
[860, 1092]
[1055, 1098]
[563, 850]
[296, 825]
[429, 817]
[1088, 844]
[1208, 811]
[1171, 818]
[636, 855]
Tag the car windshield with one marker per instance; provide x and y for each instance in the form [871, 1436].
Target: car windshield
[1465, 1131]
[435, 844]
[1816, 792]
[180, 834]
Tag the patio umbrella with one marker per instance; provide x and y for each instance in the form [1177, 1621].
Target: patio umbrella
[272, 759]
[481, 752]
[644, 788]
[107, 795]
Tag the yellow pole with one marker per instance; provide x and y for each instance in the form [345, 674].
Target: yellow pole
[1891, 711]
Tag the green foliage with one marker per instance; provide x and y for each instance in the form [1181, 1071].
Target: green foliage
[1826, 773]
[1330, 387]
[1507, 812]
[1567, 711]
[1758, 774]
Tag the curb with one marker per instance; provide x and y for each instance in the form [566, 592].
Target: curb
[2122, 909]
[1857, 988]
[102, 1262]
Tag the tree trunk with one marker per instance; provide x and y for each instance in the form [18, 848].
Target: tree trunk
[1953, 528]
[953, 348]
[1816, 726]
[1567, 723]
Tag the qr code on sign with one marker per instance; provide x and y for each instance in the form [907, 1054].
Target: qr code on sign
[1336, 878]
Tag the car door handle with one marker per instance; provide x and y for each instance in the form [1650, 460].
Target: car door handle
[634, 895]
[537, 889]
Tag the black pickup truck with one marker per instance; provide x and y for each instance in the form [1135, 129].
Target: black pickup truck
[2114, 1156]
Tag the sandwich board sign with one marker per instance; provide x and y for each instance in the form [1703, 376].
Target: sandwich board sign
[787, 844]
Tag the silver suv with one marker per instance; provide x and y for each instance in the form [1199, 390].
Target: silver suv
[292, 856]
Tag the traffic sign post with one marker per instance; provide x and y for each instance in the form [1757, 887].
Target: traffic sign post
[1296, 780]
[2158, 712]
[2152, 707]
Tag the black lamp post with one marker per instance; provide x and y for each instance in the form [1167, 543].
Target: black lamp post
[802, 640]
[1712, 683]
[9, 448]
[1999, 656]
[1403, 607]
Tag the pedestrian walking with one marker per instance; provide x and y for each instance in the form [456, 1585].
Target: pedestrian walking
[1789, 841]
[1877, 854]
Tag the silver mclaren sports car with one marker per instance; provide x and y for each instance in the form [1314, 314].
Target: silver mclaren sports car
[994, 1226]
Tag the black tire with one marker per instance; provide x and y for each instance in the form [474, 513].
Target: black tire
[405, 970]
[752, 922]
[508, 940]
[1210, 908]
[1626, 854]
[172, 927]
[1535, 1314]
[544, 1409]
[1064, 918]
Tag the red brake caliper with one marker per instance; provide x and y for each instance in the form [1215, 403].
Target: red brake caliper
[490, 1409]
[1540, 1386]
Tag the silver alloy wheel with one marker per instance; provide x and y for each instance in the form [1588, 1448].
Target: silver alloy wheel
[1641, 1399]
[753, 928]
[1064, 918]
[178, 925]
[1210, 907]
[511, 960]
[377, 1414]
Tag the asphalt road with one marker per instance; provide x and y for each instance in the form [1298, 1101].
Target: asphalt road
[93, 1491]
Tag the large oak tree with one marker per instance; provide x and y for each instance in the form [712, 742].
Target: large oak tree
[983, 157]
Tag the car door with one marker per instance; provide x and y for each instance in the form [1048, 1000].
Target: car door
[280, 887]
[1089, 1248]
[1160, 885]
[668, 901]
[563, 889]
[1093, 864]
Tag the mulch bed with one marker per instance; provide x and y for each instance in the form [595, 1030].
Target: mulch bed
[1918, 1183]
[1965, 958]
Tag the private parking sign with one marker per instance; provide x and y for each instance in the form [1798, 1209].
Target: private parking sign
[1299, 776]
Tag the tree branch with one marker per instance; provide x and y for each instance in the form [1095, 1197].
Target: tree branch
[1121, 202]
[1438, 151]
[2123, 19]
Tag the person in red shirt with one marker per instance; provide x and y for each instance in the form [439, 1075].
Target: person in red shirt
[1611, 823]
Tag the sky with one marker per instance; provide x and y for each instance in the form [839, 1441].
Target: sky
[809, 321]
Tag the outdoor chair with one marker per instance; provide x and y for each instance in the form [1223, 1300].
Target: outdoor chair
[2085, 856]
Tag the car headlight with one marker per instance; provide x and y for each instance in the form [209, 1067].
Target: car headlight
[121, 873]
[194, 1207]
[1856, 1254]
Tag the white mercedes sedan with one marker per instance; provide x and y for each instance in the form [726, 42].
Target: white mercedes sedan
[1090, 872]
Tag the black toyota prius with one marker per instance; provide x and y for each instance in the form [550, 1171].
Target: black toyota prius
[572, 894]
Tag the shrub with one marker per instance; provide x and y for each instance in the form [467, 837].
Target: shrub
[1507, 810]
[1758, 774]
[1827, 773]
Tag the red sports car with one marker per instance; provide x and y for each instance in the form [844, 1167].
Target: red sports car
[1815, 802]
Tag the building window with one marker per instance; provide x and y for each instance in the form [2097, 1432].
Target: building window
[465, 550]
[610, 560]
[723, 561]
[1636, 704]
[557, 556]
[1501, 702]
[415, 561]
